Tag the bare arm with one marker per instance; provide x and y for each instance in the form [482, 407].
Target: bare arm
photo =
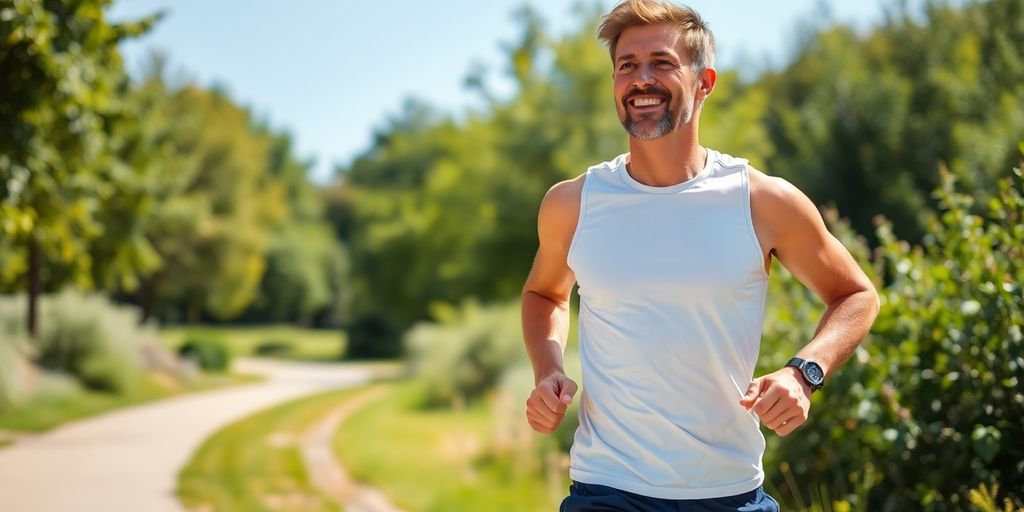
[791, 228]
[545, 306]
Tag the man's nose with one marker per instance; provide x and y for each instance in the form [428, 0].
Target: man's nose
[644, 76]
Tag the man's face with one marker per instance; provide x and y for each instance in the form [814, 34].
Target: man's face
[654, 84]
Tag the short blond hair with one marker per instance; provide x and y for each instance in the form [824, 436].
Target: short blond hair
[699, 40]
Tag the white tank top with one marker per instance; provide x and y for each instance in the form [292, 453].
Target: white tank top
[672, 291]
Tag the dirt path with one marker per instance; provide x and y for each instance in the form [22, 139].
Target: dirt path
[327, 473]
[128, 460]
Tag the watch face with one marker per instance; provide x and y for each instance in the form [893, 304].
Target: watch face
[814, 373]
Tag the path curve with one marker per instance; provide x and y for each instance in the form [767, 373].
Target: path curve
[327, 473]
[129, 459]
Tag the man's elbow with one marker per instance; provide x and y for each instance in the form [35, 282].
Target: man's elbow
[873, 301]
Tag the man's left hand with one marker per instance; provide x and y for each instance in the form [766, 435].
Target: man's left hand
[781, 399]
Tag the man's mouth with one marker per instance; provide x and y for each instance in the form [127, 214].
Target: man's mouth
[645, 101]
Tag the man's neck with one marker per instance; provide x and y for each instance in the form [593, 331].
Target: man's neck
[666, 161]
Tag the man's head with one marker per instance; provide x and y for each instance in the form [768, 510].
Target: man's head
[696, 37]
[659, 53]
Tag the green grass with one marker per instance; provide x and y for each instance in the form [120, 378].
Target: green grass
[255, 464]
[50, 410]
[438, 460]
[306, 344]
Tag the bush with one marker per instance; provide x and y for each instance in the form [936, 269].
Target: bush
[466, 353]
[90, 338]
[13, 348]
[274, 348]
[932, 405]
[373, 336]
[207, 349]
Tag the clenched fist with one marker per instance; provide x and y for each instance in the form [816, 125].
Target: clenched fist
[547, 403]
[782, 400]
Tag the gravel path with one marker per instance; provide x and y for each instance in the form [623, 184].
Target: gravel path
[129, 460]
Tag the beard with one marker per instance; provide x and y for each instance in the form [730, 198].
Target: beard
[670, 119]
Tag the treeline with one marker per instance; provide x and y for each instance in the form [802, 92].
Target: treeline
[169, 196]
[443, 207]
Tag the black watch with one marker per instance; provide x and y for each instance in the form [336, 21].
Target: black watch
[811, 371]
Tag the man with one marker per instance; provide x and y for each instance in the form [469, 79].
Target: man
[671, 245]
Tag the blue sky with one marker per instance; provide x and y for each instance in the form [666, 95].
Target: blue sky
[331, 71]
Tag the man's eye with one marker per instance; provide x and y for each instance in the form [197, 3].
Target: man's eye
[628, 65]
[664, 64]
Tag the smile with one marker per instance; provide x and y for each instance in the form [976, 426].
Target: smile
[646, 102]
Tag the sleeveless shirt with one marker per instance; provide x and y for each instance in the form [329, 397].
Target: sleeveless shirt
[672, 291]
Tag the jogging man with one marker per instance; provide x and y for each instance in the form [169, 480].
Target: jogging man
[670, 245]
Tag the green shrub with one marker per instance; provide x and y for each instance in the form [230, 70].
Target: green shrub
[90, 338]
[13, 347]
[466, 353]
[932, 405]
[274, 348]
[207, 349]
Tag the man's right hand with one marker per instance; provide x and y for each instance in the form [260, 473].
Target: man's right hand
[547, 404]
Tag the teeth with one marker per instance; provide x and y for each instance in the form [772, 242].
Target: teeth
[646, 102]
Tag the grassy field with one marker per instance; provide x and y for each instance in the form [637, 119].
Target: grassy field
[440, 460]
[255, 464]
[304, 344]
[49, 410]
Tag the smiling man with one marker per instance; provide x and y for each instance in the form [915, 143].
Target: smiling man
[670, 245]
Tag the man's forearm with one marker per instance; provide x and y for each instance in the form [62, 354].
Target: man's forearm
[545, 331]
[843, 325]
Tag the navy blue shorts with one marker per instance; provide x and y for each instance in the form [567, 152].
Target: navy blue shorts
[599, 498]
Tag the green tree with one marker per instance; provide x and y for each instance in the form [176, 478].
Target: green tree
[216, 209]
[62, 79]
[863, 122]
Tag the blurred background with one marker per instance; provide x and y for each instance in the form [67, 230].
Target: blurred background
[191, 189]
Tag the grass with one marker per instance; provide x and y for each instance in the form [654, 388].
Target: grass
[50, 410]
[439, 460]
[305, 344]
[255, 464]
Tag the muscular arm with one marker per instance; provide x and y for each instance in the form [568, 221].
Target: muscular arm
[545, 306]
[789, 226]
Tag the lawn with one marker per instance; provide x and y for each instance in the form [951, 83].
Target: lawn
[255, 464]
[51, 409]
[299, 343]
[442, 460]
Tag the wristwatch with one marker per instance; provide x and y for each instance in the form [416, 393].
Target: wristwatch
[811, 371]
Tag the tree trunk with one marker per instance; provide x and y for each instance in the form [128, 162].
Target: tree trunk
[192, 313]
[147, 297]
[34, 288]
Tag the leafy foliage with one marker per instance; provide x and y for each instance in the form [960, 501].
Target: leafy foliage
[937, 384]
[85, 336]
[62, 77]
[466, 353]
[207, 349]
[863, 121]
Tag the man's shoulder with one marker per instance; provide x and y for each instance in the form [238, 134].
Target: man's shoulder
[564, 194]
[779, 208]
[563, 198]
[773, 190]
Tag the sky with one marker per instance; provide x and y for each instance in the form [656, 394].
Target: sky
[330, 72]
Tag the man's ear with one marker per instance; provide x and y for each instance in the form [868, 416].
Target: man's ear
[707, 82]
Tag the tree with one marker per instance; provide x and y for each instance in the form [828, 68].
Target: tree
[216, 208]
[62, 77]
